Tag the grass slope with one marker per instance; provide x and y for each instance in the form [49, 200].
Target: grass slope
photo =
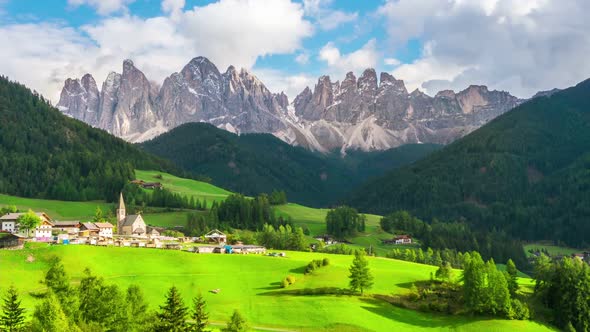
[250, 284]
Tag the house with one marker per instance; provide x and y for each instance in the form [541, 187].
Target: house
[11, 241]
[105, 229]
[327, 239]
[88, 229]
[10, 221]
[147, 185]
[401, 239]
[8, 226]
[70, 227]
[153, 231]
[208, 249]
[216, 236]
[248, 249]
[129, 224]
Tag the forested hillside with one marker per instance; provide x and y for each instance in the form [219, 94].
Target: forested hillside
[257, 163]
[526, 172]
[44, 154]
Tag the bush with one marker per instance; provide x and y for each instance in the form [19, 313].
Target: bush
[316, 264]
[284, 283]
[325, 261]
[291, 279]
[518, 310]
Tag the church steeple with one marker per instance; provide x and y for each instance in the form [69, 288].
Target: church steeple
[121, 214]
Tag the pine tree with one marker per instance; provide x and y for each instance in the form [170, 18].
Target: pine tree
[50, 317]
[199, 316]
[12, 318]
[136, 307]
[360, 274]
[237, 323]
[512, 277]
[444, 272]
[172, 315]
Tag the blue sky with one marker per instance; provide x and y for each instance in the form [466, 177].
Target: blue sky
[430, 44]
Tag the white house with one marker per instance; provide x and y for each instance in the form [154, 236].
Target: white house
[43, 231]
[8, 226]
[105, 229]
[403, 239]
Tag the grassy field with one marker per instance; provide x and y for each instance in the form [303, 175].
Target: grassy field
[197, 189]
[84, 211]
[552, 249]
[250, 284]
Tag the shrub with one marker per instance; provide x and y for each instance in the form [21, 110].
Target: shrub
[284, 283]
[325, 261]
[518, 310]
[291, 279]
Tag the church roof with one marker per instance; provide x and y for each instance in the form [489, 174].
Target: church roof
[130, 219]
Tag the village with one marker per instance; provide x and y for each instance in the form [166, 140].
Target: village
[130, 231]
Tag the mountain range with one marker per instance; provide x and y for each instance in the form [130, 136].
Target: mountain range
[355, 114]
[526, 173]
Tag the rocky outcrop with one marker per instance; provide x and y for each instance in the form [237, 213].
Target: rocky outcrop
[366, 113]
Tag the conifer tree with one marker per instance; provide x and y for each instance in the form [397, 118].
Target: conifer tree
[172, 315]
[512, 277]
[237, 323]
[12, 318]
[360, 274]
[50, 317]
[199, 315]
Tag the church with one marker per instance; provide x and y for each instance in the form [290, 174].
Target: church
[129, 224]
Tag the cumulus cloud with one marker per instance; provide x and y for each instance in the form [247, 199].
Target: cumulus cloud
[520, 46]
[103, 7]
[43, 55]
[302, 58]
[391, 61]
[326, 17]
[359, 60]
[292, 85]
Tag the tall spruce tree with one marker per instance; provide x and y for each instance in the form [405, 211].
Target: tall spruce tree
[360, 274]
[199, 316]
[12, 318]
[237, 323]
[512, 277]
[172, 315]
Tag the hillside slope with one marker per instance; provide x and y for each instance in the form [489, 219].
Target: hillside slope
[526, 172]
[255, 163]
[44, 154]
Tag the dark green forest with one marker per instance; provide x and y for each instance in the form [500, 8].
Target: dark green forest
[45, 154]
[261, 163]
[526, 173]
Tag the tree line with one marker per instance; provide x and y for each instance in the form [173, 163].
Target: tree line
[457, 236]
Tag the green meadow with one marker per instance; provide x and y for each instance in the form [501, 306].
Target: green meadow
[250, 283]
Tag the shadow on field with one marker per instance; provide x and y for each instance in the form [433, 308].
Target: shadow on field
[409, 317]
[309, 292]
[273, 285]
[408, 285]
[300, 270]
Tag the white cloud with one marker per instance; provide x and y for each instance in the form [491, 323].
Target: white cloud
[233, 32]
[302, 58]
[520, 46]
[103, 7]
[292, 85]
[326, 17]
[173, 7]
[361, 59]
[391, 61]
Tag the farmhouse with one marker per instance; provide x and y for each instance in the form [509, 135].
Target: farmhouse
[70, 227]
[327, 239]
[88, 229]
[153, 231]
[400, 239]
[216, 236]
[147, 185]
[14, 241]
[105, 229]
[10, 221]
[129, 225]
[248, 249]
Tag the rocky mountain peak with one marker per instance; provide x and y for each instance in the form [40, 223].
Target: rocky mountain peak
[355, 113]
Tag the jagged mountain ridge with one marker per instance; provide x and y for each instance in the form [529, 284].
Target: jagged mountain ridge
[355, 114]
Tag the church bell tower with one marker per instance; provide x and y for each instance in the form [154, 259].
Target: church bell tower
[121, 215]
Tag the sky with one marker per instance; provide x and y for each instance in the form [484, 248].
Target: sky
[520, 46]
